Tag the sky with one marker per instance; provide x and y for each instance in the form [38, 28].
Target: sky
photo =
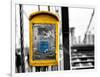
[78, 18]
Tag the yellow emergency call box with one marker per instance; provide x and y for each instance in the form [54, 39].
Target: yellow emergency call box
[44, 39]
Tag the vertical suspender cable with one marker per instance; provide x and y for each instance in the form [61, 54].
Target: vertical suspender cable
[21, 38]
[65, 30]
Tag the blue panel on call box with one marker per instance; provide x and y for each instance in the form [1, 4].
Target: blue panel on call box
[43, 46]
